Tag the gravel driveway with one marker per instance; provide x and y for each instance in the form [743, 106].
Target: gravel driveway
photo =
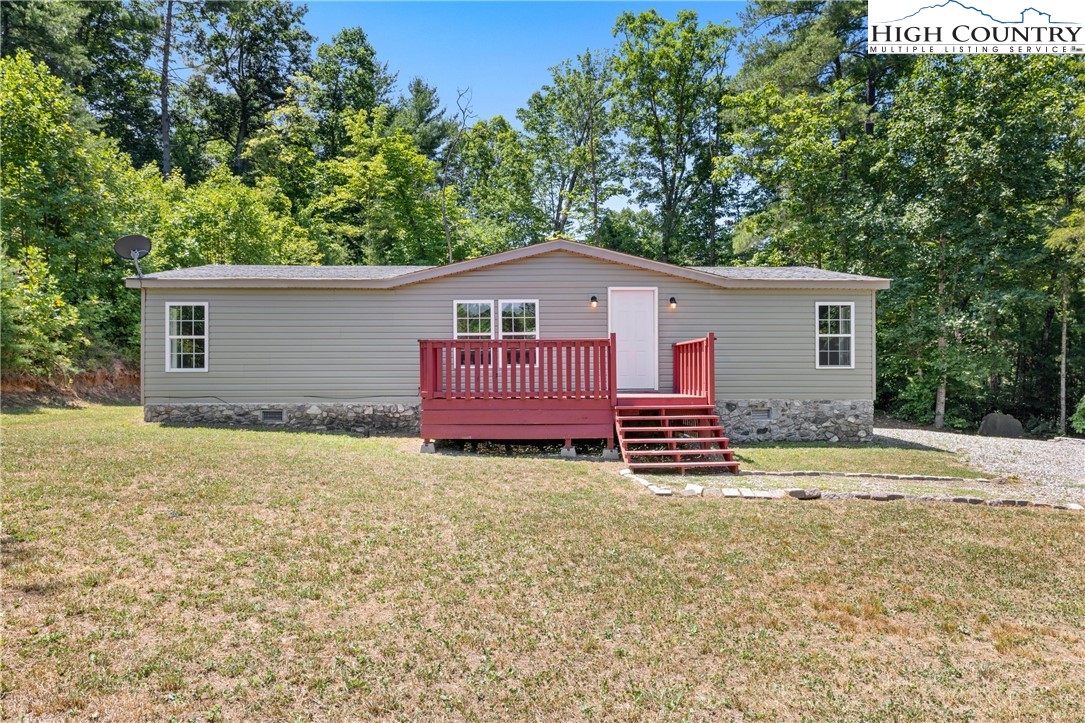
[1041, 463]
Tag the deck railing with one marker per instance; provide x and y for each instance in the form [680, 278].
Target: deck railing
[695, 367]
[518, 369]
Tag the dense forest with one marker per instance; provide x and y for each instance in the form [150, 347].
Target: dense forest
[225, 133]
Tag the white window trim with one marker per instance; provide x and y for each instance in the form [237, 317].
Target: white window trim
[818, 336]
[538, 325]
[455, 318]
[206, 337]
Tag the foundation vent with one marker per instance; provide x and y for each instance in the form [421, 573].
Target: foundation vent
[272, 416]
[760, 415]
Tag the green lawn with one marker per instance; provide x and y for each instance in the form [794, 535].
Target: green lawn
[878, 459]
[155, 572]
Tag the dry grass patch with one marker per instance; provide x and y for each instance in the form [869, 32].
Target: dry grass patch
[167, 572]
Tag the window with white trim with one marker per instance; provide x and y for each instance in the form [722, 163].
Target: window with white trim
[186, 337]
[474, 319]
[835, 335]
[519, 319]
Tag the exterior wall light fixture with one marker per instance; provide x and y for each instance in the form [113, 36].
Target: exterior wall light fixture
[674, 303]
[594, 301]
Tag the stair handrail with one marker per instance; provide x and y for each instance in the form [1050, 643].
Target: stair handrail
[694, 367]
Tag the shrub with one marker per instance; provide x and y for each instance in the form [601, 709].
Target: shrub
[41, 331]
[1077, 422]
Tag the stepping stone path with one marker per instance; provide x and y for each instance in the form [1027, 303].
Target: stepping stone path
[800, 493]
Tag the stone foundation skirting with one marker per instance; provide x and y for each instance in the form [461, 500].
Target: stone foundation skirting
[745, 420]
[318, 417]
[795, 420]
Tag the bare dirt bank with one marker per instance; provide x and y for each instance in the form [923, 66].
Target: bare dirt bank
[114, 384]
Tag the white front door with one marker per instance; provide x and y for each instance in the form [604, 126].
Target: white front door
[633, 317]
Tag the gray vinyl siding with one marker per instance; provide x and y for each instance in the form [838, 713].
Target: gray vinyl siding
[294, 345]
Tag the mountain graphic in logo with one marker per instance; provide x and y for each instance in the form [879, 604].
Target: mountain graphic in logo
[954, 11]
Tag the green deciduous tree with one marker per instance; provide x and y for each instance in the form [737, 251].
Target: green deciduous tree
[493, 169]
[221, 221]
[665, 75]
[100, 49]
[380, 198]
[570, 131]
[62, 186]
[806, 173]
[243, 55]
[120, 89]
[40, 332]
[1067, 240]
[972, 256]
[631, 232]
[346, 78]
[285, 149]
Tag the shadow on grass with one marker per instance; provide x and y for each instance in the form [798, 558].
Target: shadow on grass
[26, 404]
[877, 441]
[587, 450]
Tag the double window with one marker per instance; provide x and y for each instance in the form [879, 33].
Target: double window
[505, 319]
[474, 320]
[835, 335]
[186, 337]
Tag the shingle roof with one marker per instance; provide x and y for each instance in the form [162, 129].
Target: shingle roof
[319, 273]
[794, 273]
[389, 277]
[350, 273]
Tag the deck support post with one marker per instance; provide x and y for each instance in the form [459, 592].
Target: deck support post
[568, 451]
[428, 447]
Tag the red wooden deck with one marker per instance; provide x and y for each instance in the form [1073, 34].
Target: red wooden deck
[559, 389]
[524, 389]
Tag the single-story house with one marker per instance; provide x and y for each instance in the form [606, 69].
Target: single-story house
[549, 341]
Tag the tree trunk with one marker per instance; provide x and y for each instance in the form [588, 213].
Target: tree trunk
[667, 231]
[444, 219]
[712, 261]
[244, 114]
[565, 204]
[1062, 359]
[940, 396]
[594, 176]
[242, 132]
[164, 89]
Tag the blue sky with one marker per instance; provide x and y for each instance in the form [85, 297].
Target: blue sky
[502, 51]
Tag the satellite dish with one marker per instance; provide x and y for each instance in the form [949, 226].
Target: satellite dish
[134, 247]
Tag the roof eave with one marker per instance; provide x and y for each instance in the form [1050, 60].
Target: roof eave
[384, 284]
[152, 283]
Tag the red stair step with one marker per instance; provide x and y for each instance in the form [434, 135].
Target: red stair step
[656, 407]
[710, 428]
[679, 440]
[668, 417]
[677, 452]
[683, 464]
[642, 424]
